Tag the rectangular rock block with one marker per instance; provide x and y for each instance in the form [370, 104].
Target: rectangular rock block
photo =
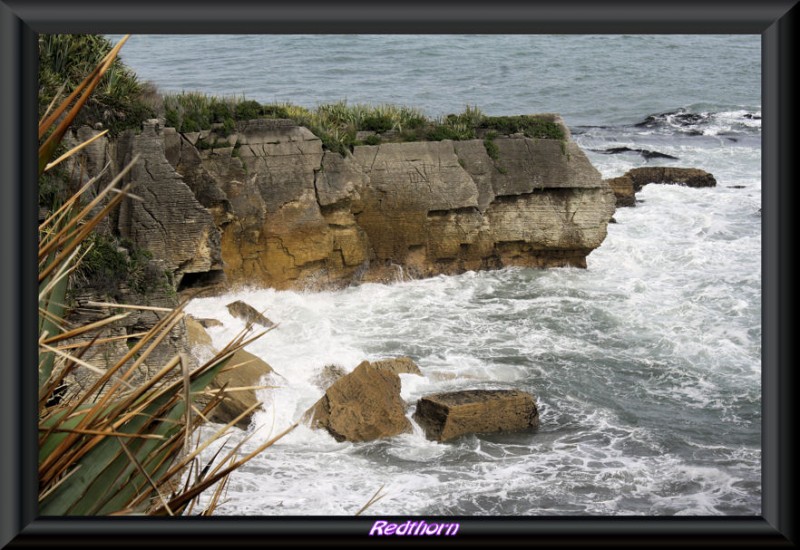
[445, 416]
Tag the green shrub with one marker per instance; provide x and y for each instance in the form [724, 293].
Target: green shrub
[109, 265]
[219, 110]
[377, 123]
[247, 110]
[275, 111]
[530, 126]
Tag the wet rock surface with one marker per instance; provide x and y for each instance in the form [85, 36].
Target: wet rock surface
[446, 416]
[363, 405]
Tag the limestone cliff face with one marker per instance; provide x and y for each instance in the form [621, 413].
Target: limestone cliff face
[270, 207]
[295, 216]
[168, 220]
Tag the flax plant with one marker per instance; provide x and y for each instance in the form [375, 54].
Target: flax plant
[121, 445]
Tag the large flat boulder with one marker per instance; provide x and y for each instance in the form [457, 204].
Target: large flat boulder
[363, 405]
[626, 186]
[690, 177]
[445, 416]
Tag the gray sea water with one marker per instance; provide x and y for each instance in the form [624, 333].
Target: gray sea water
[646, 365]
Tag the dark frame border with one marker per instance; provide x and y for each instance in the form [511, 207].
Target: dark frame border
[775, 20]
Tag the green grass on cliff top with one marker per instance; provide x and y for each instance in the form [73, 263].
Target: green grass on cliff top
[341, 126]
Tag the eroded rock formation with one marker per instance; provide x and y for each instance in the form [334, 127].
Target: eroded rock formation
[626, 186]
[267, 205]
[270, 207]
[168, 221]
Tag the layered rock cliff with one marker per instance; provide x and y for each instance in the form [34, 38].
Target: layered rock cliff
[266, 205]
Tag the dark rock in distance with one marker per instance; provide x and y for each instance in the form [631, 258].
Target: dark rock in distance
[626, 186]
[690, 177]
[646, 153]
[445, 416]
[623, 190]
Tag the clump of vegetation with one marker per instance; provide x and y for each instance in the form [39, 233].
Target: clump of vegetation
[119, 102]
[109, 265]
[195, 111]
[530, 126]
[491, 147]
[338, 124]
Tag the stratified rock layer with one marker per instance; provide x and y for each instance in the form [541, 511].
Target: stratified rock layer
[168, 220]
[295, 216]
[690, 177]
[265, 205]
[445, 416]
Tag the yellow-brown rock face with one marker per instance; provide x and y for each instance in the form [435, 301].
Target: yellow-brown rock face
[301, 217]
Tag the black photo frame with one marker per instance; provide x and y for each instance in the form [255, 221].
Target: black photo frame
[775, 20]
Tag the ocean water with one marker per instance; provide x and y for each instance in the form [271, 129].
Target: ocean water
[646, 365]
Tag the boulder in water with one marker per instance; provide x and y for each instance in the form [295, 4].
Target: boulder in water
[243, 370]
[445, 416]
[362, 406]
[248, 313]
[690, 177]
[626, 186]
